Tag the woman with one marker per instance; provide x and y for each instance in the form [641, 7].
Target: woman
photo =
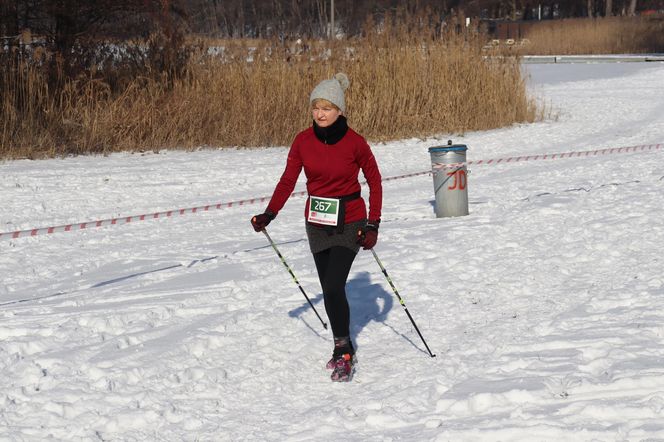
[332, 155]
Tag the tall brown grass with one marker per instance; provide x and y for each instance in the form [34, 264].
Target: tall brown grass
[612, 35]
[403, 84]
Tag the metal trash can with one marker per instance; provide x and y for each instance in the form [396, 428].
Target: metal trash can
[450, 179]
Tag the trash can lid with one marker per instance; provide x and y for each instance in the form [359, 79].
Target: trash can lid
[450, 148]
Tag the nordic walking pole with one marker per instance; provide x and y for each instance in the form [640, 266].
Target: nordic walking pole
[274, 246]
[403, 304]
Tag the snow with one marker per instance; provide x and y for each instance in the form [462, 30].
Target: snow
[544, 306]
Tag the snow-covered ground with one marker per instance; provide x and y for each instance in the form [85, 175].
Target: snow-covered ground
[545, 306]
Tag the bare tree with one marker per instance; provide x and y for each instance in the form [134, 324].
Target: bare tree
[632, 7]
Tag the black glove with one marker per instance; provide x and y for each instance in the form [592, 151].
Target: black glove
[261, 221]
[367, 236]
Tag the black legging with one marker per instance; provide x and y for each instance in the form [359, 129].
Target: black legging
[333, 266]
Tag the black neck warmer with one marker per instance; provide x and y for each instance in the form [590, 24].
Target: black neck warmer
[333, 133]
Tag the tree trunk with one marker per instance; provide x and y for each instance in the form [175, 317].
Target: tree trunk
[608, 11]
[590, 8]
[322, 17]
[513, 8]
[632, 7]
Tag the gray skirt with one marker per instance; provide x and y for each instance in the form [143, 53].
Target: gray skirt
[321, 239]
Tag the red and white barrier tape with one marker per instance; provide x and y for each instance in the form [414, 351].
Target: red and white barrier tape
[133, 218]
[554, 156]
[398, 177]
[179, 212]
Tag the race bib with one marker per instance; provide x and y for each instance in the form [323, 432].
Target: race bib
[323, 210]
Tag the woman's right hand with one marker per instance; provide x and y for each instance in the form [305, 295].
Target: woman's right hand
[261, 221]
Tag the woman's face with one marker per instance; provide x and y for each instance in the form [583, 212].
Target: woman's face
[324, 114]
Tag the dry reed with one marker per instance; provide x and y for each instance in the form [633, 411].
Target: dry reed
[613, 35]
[402, 85]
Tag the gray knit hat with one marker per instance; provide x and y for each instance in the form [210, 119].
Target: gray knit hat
[332, 90]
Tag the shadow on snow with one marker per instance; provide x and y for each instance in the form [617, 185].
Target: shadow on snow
[368, 302]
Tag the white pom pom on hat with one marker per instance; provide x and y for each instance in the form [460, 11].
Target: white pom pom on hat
[342, 79]
[332, 90]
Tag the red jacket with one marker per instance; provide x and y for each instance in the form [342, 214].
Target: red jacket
[331, 171]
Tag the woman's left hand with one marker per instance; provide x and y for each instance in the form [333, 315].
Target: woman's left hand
[367, 237]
